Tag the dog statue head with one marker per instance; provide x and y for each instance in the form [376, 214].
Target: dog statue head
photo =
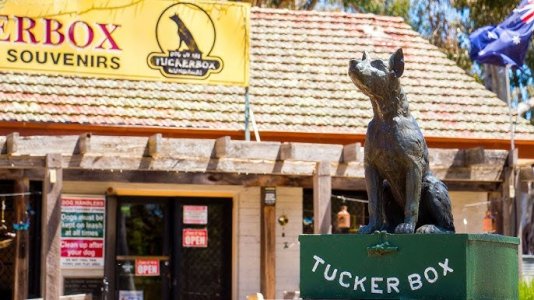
[377, 78]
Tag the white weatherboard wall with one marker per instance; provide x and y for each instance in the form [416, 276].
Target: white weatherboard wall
[289, 203]
[249, 242]
[468, 209]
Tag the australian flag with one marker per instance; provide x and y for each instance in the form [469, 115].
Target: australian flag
[506, 43]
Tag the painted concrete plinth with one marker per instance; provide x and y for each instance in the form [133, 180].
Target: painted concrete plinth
[414, 266]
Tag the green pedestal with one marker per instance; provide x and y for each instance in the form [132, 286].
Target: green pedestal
[415, 266]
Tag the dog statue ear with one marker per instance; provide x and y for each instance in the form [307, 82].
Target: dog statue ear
[396, 63]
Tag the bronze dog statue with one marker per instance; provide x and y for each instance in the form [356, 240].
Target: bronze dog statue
[404, 196]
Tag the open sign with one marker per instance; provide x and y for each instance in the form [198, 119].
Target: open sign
[146, 267]
[195, 238]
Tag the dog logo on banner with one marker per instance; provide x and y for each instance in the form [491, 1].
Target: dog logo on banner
[187, 52]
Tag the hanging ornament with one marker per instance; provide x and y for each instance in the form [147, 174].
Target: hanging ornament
[22, 225]
[6, 237]
[283, 220]
[488, 223]
[343, 219]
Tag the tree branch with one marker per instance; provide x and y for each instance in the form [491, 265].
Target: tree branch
[309, 5]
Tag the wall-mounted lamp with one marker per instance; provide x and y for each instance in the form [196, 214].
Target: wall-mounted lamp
[269, 195]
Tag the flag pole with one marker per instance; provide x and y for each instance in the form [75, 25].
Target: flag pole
[510, 111]
[512, 162]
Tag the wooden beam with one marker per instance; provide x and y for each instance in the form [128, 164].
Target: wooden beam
[466, 157]
[268, 249]
[42, 145]
[84, 144]
[14, 174]
[473, 173]
[110, 145]
[221, 146]
[311, 152]
[233, 165]
[525, 146]
[472, 186]
[154, 145]
[190, 178]
[21, 162]
[347, 184]
[474, 156]
[526, 173]
[12, 143]
[225, 147]
[227, 156]
[353, 152]
[322, 196]
[338, 183]
[51, 218]
[22, 241]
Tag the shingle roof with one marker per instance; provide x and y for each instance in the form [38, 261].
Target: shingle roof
[299, 83]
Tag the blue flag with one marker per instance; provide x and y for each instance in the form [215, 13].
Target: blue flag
[506, 43]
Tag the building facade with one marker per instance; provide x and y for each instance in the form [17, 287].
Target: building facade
[150, 190]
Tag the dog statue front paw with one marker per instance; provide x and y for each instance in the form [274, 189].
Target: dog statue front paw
[405, 228]
[367, 229]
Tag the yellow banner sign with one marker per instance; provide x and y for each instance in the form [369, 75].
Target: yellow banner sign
[193, 42]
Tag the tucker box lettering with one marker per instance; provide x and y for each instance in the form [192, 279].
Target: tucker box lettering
[416, 266]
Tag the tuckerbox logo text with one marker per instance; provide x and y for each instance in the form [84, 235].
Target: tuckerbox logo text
[188, 52]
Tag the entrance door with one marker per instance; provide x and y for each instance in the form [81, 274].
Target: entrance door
[25, 247]
[203, 260]
[173, 248]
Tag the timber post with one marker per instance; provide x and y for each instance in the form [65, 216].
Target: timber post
[52, 186]
[322, 194]
[268, 249]
[509, 195]
[22, 240]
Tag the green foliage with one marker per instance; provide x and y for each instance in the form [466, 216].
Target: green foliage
[445, 23]
[398, 8]
[526, 290]
[444, 26]
[487, 12]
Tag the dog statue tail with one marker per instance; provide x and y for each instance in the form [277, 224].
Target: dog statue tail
[437, 205]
